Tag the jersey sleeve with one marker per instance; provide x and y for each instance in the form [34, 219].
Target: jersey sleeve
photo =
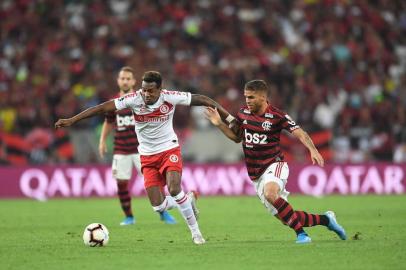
[178, 97]
[288, 123]
[238, 118]
[127, 101]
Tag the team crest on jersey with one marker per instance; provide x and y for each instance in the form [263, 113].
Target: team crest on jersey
[267, 125]
[164, 108]
[174, 158]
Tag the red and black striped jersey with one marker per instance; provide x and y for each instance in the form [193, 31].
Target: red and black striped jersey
[261, 137]
[125, 138]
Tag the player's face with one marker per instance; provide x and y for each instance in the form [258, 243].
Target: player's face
[150, 92]
[255, 100]
[125, 81]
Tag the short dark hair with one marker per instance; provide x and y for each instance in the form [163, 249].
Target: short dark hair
[127, 69]
[257, 85]
[152, 76]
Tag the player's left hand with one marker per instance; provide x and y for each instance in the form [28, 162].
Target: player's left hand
[317, 158]
[63, 123]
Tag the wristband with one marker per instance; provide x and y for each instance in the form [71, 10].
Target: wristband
[230, 118]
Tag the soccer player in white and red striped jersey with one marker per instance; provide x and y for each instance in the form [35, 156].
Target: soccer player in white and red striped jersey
[161, 160]
[125, 155]
[258, 125]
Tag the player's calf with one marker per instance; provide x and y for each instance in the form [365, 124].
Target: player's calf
[192, 195]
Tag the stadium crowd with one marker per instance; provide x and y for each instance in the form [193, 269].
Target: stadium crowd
[336, 65]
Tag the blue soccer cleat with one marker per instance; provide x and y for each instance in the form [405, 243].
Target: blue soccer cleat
[334, 226]
[128, 221]
[167, 218]
[303, 238]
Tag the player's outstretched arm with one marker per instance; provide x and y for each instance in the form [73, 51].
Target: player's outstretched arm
[106, 129]
[307, 141]
[214, 117]
[105, 107]
[201, 100]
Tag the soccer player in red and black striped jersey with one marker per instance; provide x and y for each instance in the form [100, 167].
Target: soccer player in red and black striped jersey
[258, 126]
[126, 155]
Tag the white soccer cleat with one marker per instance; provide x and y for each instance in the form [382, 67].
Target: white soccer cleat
[193, 197]
[198, 239]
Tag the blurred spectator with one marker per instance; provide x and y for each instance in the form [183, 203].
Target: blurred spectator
[337, 65]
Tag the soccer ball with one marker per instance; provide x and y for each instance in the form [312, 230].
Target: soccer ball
[96, 235]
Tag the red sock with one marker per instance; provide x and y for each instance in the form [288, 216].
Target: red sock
[309, 220]
[125, 198]
[287, 215]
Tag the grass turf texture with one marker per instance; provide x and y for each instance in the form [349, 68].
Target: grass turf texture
[239, 233]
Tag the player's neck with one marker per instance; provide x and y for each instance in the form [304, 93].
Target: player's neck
[262, 110]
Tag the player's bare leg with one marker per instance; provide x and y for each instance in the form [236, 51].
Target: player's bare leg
[285, 212]
[173, 180]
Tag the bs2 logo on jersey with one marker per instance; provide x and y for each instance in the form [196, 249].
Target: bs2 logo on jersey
[125, 120]
[255, 138]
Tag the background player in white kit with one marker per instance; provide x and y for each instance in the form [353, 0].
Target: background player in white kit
[161, 160]
[126, 155]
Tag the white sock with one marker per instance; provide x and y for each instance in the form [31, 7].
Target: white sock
[185, 208]
[171, 203]
[168, 204]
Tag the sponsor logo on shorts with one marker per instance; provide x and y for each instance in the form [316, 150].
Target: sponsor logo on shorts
[174, 158]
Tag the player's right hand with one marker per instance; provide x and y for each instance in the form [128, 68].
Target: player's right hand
[317, 158]
[102, 149]
[213, 116]
[63, 123]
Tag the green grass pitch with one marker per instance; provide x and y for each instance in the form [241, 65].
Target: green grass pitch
[239, 233]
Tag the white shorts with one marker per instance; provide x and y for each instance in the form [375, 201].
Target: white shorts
[277, 172]
[123, 165]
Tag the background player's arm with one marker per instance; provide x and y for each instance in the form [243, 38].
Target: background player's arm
[106, 130]
[233, 132]
[307, 141]
[105, 107]
[201, 100]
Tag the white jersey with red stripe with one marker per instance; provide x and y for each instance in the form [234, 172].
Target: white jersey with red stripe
[153, 123]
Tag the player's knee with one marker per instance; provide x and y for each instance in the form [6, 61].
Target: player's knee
[173, 181]
[174, 190]
[271, 192]
[271, 196]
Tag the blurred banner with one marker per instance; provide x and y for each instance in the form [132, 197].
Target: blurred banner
[47, 182]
